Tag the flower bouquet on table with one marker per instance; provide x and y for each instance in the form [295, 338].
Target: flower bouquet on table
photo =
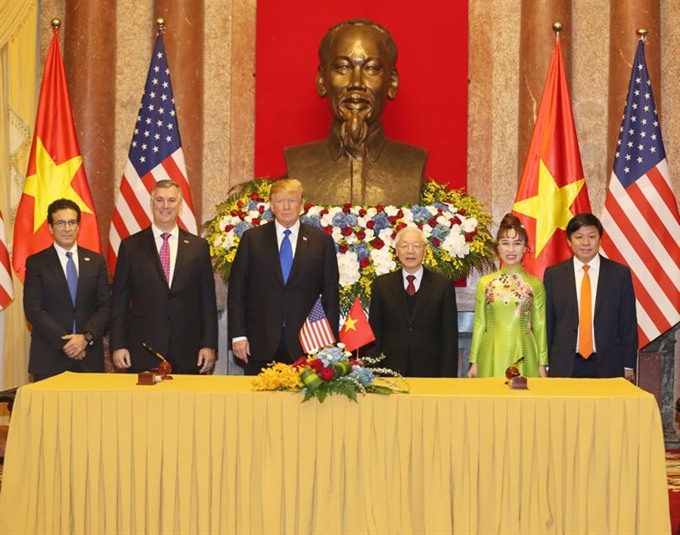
[328, 371]
[454, 223]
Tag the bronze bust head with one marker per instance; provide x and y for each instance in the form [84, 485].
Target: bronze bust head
[357, 163]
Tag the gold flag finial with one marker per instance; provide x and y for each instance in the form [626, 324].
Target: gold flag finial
[642, 32]
[56, 23]
[557, 28]
[160, 22]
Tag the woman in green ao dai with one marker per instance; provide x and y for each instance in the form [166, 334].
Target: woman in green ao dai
[509, 312]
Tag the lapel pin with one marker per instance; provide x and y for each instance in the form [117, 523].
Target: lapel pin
[87, 259]
[186, 241]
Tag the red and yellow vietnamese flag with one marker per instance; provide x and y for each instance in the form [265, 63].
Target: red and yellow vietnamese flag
[356, 331]
[55, 169]
[552, 189]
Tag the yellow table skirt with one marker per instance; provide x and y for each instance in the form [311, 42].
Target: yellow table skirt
[97, 454]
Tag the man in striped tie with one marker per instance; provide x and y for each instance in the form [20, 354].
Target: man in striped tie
[66, 299]
[590, 308]
[164, 293]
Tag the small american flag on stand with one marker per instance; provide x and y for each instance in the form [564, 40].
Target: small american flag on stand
[316, 332]
[155, 154]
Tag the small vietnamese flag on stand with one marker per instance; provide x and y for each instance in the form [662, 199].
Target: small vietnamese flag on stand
[55, 168]
[356, 331]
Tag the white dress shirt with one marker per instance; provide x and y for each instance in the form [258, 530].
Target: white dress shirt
[61, 253]
[418, 277]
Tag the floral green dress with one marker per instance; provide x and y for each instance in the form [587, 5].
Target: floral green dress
[509, 323]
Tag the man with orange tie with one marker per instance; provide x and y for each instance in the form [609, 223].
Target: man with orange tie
[590, 308]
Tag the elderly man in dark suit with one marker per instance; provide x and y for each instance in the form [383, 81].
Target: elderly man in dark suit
[164, 293]
[413, 314]
[66, 300]
[591, 318]
[279, 271]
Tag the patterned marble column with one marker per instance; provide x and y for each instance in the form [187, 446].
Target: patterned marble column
[184, 22]
[537, 41]
[90, 62]
[625, 19]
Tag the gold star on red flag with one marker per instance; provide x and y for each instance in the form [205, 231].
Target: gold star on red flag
[52, 181]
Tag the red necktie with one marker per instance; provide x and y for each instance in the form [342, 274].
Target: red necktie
[165, 255]
[585, 322]
[411, 288]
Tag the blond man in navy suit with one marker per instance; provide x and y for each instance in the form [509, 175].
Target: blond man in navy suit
[175, 314]
[66, 336]
[265, 311]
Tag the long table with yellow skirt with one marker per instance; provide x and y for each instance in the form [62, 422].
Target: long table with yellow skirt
[97, 454]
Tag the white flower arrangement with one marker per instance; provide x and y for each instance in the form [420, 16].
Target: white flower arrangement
[453, 222]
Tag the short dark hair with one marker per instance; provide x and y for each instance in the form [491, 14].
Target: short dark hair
[583, 220]
[61, 204]
[388, 41]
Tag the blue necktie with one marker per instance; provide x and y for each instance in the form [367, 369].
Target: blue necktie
[286, 255]
[72, 280]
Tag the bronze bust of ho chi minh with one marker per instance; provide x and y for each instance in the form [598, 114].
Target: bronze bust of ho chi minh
[357, 163]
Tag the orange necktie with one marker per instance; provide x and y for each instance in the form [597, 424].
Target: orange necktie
[585, 323]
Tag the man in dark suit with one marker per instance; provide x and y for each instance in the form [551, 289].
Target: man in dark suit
[66, 300]
[599, 340]
[268, 307]
[413, 314]
[164, 293]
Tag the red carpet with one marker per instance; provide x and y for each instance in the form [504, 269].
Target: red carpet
[673, 470]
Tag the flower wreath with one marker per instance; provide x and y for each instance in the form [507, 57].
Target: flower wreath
[454, 223]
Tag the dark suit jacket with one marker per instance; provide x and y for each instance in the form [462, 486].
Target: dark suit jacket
[258, 301]
[50, 311]
[614, 320]
[177, 321]
[425, 342]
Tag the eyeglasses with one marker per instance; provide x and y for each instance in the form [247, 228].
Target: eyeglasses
[65, 224]
[406, 246]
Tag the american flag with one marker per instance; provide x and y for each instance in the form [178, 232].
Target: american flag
[155, 154]
[6, 287]
[316, 332]
[640, 218]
